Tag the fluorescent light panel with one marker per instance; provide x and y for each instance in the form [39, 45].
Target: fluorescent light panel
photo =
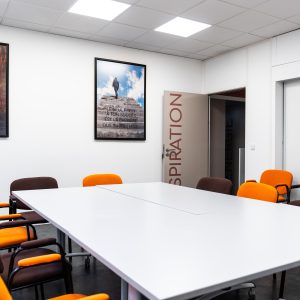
[101, 9]
[182, 27]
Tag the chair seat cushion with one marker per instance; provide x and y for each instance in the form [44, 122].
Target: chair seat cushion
[68, 297]
[34, 274]
[14, 236]
[78, 296]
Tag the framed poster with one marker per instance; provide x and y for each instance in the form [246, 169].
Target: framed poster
[4, 53]
[120, 100]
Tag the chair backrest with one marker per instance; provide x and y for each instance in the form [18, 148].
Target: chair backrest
[31, 183]
[99, 179]
[4, 293]
[276, 177]
[258, 191]
[215, 184]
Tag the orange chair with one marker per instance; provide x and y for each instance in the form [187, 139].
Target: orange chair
[265, 192]
[92, 180]
[34, 262]
[15, 231]
[281, 180]
[99, 179]
[258, 191]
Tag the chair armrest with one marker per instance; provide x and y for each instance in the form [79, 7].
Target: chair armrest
[96, 297]
[38, 260]
[295, 186]
[11, 224]
[38, 243]
[10, 216]
[4, 204]
[282, 185]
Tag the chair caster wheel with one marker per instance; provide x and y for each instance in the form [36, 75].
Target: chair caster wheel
[251, 294]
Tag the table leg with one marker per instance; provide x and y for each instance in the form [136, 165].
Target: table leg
[124, 290]
[128, 292]
[61, 238]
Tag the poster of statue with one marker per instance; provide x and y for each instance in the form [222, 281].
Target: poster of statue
[120, 100]
[4, 90]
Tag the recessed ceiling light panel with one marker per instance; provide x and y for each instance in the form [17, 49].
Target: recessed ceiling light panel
[182, 27]
[101, 9]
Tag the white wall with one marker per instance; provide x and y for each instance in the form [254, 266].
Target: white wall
[262, 68]
[248, 67]
[51, 110]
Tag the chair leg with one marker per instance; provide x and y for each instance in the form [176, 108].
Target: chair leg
[282, 282]
[274, 276]
[68, 278]
[70, 249]
[36, 292]
[42, 292]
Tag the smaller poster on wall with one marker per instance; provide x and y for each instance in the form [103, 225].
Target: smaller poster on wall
[4, 89]
[120, 100]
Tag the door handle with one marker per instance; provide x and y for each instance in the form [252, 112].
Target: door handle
[167, 152]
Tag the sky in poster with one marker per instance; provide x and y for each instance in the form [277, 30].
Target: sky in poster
[130, 77]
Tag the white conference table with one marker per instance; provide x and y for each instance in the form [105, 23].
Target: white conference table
[171, 242]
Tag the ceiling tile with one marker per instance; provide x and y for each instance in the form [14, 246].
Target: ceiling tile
[245, 3]
[212, 12]
[173, 52]
[216, 35]
[189, 45]
[25, 25]
[215, 50]
[129, 1]
[276, 29]
[248, 21]
[141, 46]
[295, 19]
[280, 8]
[198, 56]
[54, 4]
[143, 17]
[3, 6]
[108, 40]
[158, 39]
[80, 23]
[35, 14]
[121, 31]
[71, 33]
[176, 7]
[243, 40]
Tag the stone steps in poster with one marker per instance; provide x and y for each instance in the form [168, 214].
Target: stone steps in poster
[120, 117]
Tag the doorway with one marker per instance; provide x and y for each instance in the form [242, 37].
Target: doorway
[291, 145]
[203, 136]
[227, 136]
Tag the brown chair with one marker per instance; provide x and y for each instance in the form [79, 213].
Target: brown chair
[281, 180]
[30, 183]
[215, 184]
[100, 179]
[23, 268]
[37, 262]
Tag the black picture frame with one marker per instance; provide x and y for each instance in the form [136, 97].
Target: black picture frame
[4, 89]
[120, 100]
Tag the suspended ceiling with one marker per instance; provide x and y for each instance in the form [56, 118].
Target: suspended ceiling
[235, 23]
